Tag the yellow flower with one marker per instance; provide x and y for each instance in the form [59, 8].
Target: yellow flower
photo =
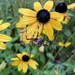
[62, 8]
[40, 20]
[3, 38]
[23, 60]
[64, 44]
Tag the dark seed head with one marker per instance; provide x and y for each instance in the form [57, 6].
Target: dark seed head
[25, 58]
[43, 16]
[61, 7]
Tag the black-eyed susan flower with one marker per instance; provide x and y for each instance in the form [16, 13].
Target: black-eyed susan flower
[62, 44]
[62, 8]
[40, 20]
[23, 60]
[3, 38]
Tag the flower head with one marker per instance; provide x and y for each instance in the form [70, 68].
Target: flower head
[3, 38]
[23, 60]
[40, 20]
[64, 44]
[62, 8]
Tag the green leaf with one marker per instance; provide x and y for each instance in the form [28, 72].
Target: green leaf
[34, 50]
[67, 32]
[50, 56]
[42, 59]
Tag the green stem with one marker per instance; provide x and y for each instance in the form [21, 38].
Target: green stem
[71, 57]
[44, 67]
[20, 3]
[55, 40]
[58, 52]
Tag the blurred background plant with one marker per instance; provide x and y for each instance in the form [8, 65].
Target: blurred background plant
[54, 59]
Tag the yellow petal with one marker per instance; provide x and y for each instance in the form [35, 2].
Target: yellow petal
[20, 25]
[14, 59]
[25, 67]
[23, 38]
[65, 21]
[19, 55]
[40, 29]
[26, 21]
[33, 64]
[2, 45]
[71, 6]
[37, 6]
[48, 5]
[24, 53]
[5, 38]
[20, 66]
[31, 55]
[61, 19]
[61, 44]
[67, 44]
[15, 63]
[56, 25]
[48, 30]
[35, 33]
[31, 29]
[1, 21]
[55, 15]
[27, 12]
[4, 26]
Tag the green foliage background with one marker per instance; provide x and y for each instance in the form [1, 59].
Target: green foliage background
[54, 57]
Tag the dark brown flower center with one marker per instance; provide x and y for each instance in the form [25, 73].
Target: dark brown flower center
[61, 7]
[25, 58]
[43, 16]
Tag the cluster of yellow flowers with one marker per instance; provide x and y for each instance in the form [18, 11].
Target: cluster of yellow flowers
[34, 23]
